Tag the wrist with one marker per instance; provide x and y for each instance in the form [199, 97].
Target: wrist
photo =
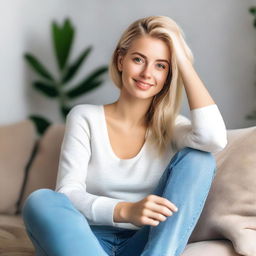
[121, 212]
[183, 61]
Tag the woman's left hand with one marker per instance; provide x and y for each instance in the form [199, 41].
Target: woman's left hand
[179, 50]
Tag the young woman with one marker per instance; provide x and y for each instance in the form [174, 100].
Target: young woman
[134, 174]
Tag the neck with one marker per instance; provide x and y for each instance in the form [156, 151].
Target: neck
[133, 114]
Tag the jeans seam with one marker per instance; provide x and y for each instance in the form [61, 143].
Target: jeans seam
[165, 188]
[38, 244]
[114, 247]
[170, 170]
[192, 222]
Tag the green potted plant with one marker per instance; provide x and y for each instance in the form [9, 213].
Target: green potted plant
[59, 88]
[252, 10]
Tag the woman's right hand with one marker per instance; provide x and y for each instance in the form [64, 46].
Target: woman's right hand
[148, 211]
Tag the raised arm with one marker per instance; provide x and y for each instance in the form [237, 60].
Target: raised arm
[197, 94]
[207, 130]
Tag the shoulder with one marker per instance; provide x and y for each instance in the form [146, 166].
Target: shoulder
[83, 110]
[82, 118]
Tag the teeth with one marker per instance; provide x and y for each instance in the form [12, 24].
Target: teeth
[143, 84]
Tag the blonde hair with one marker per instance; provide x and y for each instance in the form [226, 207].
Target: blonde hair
[165, 106]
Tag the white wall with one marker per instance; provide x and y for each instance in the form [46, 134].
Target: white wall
[220, 34]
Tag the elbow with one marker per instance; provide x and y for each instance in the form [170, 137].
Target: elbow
[213, 143]
[218, 143]
[219, 146]
[68, 188]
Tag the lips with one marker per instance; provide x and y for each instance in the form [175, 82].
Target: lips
[143, 83]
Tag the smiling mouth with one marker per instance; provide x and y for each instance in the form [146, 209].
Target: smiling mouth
[143, 83]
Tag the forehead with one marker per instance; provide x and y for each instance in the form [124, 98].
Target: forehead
[151, 47]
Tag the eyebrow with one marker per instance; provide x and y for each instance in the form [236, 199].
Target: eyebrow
[142, 55]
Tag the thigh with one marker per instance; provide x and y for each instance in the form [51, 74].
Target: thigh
[39, 251]
[136, 244]
[57, 226]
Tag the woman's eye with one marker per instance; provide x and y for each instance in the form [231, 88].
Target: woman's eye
[137, 59]
[161, 66]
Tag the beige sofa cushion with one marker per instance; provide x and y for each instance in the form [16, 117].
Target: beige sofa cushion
[43, 171]
[15, 242]
[13, 237]
[228, 214]
[210, 248]
[230, 209]
[17, 142]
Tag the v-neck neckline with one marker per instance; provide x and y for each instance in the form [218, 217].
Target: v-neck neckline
[105, 130]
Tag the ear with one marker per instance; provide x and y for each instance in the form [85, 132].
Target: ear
[120, 63]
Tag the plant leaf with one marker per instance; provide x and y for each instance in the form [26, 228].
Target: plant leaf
[251, 116]
[47, 89]
[83, 88]
[41, 123]
[88, 84]
[73, 68]
[97, 73]
[62, 40]
[38, 67]
[252, 10]
[64, 111]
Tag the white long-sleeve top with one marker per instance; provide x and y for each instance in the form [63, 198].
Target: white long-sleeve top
[95, 179]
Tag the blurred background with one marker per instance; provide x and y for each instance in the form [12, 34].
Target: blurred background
[221, 35]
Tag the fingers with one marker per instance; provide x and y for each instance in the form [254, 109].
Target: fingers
[163, 201]
[159, 209]
[156, 216]
[149, 221]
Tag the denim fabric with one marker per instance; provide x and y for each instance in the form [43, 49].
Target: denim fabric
[57, 228]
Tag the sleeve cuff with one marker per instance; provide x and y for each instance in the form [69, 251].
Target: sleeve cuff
[103, 210]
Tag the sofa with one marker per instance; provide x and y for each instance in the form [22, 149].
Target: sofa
[226, 227]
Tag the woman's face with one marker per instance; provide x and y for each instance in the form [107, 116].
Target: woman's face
[145, 66]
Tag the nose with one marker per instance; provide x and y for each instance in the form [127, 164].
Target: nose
[146, 72]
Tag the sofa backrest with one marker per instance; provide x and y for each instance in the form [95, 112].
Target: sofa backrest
[43, 170]
[229, 211]
[18, 140]
[16, 146]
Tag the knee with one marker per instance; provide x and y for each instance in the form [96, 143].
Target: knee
[200, 156]
[35, 202]
[204, 162]
[38, 196]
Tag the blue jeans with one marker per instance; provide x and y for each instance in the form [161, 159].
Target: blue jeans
[57, 228]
